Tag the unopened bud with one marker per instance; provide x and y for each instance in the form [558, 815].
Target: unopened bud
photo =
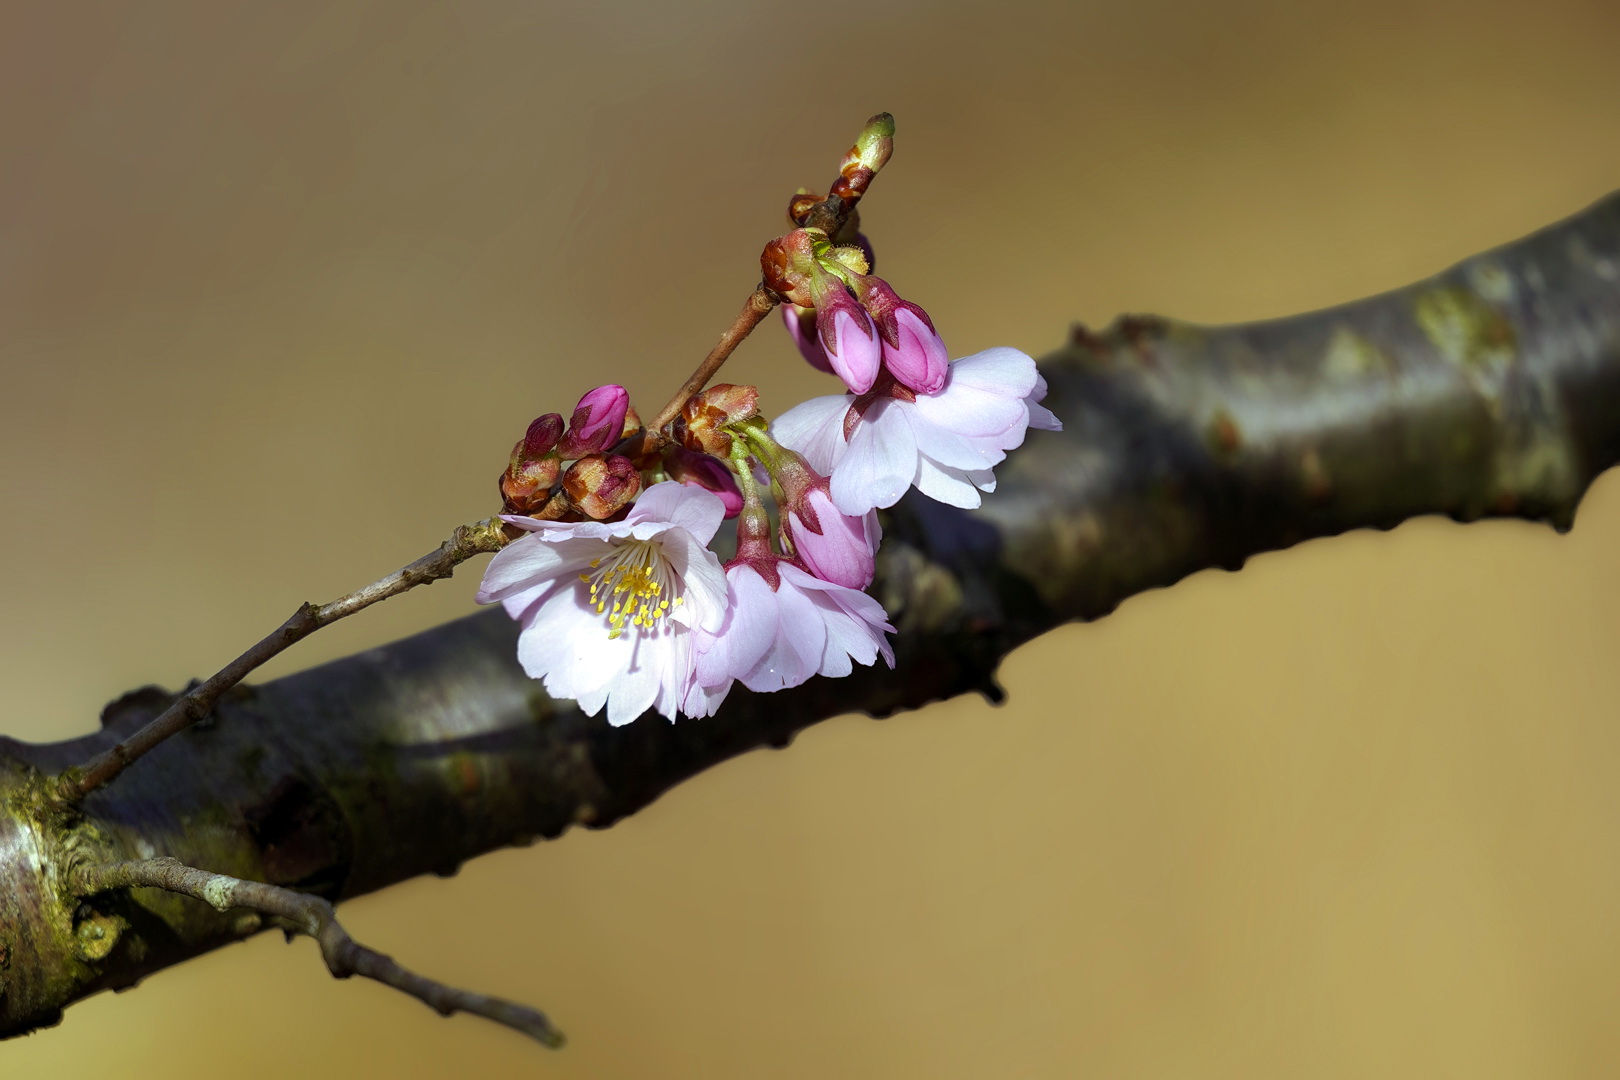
[800, 205]
[833, 546]
[913, 351]
[704, 418]
[875, 142]
[870, 153]
[788, 262]
[848, 335]
[705, 472]
[601, 485]
[526, 483]
[849, 257]
[801, 325]
[597, 421]
[542, 436]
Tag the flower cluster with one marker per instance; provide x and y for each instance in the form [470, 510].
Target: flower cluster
[622, 601]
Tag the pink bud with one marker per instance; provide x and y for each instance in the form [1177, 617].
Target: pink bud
[919, 360]
[801, 324]
[912, 350]
[833, 546]
[849, 337]
[707, 473]
[598, 419]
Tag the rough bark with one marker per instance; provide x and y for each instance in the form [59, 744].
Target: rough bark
[1491, 390]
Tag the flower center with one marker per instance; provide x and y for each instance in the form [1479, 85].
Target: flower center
[629, 585]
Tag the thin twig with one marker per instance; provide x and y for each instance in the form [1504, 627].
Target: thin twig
[829, 215]
[314, 917]
[759, 304]
[467, 541]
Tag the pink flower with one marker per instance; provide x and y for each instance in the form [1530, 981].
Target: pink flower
[833, 546]
[597, 423]
[783, 626]
[609, 609]
[944, 444]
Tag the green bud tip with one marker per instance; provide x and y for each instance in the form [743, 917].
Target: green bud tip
[876, 141]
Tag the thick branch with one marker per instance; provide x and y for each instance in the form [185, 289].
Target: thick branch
[1493, 389]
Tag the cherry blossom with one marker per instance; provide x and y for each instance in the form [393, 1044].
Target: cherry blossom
[945, 444]
[782, 626]
[609, 609]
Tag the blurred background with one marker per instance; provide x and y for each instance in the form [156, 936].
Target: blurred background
[281, 283]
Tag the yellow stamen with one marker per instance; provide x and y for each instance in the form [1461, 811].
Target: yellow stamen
[633, 576]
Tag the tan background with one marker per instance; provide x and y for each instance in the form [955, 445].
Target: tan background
[273, 273]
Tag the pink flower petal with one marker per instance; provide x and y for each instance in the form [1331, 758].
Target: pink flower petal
[842, 552]
[920, 361]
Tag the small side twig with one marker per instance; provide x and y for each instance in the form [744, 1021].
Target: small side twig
[314, 917]
[467, 541]
[830, 215]
[759, 304]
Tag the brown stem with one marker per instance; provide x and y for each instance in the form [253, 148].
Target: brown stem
[759, 304]
[313, 917]
[468, 540]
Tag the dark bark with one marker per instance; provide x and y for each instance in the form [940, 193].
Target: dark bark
[1491, 390]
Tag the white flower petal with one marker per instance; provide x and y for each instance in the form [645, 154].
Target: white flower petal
[795, 651]
[972, 410]
[815, 429]
[749, 630]
[703, 583]
[877, 468]
[528, 561]
[1041, 417]
[952, 448]
[704, 700]
[570, 648]
[518, 604]
[680, 506]
[945, 484]
[1004, 371]
[637, 686]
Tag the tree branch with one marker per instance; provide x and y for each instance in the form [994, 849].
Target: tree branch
[1491, 390]
[468, 540]
[313, 917]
